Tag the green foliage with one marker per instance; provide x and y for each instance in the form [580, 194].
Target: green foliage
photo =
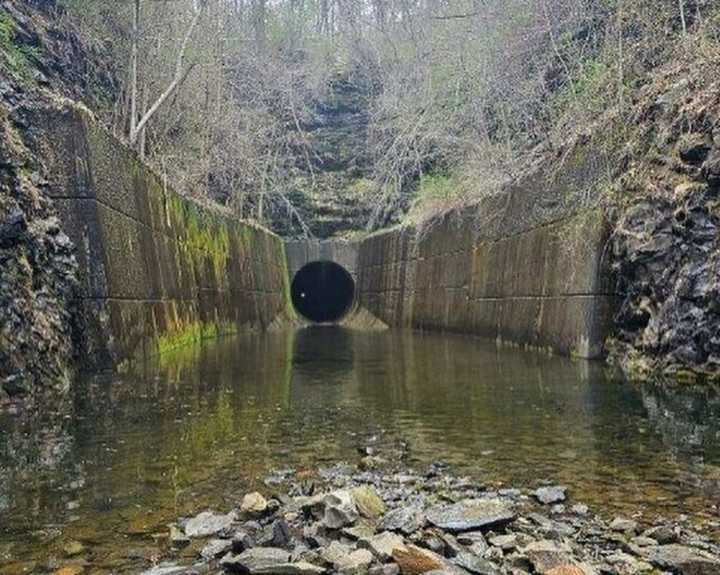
[17, 57]
[436, 187]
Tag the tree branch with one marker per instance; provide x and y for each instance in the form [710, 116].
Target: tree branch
[177, 79]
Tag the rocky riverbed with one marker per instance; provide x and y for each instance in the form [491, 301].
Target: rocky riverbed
[385, 520]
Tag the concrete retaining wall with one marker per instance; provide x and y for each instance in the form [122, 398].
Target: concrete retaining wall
[303, 252]
[525, 267]
[157, 270]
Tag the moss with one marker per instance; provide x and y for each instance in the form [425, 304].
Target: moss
[17, 57]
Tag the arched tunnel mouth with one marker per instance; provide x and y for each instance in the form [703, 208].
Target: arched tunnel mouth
[323, 292]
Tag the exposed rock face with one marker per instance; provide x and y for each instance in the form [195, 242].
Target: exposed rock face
[37, 282]
[667, 241]
[332, 193]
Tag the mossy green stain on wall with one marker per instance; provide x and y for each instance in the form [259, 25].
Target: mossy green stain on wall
[194, 272]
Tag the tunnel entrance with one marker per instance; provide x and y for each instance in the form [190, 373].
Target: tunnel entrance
[322, 291]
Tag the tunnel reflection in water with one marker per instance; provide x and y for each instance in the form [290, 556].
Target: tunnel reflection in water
[322, 291]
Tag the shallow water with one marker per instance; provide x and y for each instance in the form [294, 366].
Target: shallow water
[202, 425]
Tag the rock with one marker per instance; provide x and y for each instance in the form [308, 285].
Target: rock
[683, 560]
[406, 519]
[335, 552]
[256, 560]
[382, 545]
[663, 534]
[297, 568]
[340, 510]
[73, 548]
[242, 540]
[471, 514]
[356, 562]
[168, 569]
[505, 542]
[568, 569]
[368, 502]
[621, 525]
[177, 537]
[216, 548]
[387, 569]
[14, 386]
[281, 535]
[254, 504]
[12, 229]
[414, 560]
[694, 148]
[360, 531]
[208, 523]
[474, 540]
[580, 509]
[475, 564]
[546, 555]
[550, 495]
[345, 559]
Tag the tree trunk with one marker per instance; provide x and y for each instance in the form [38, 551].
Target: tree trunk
[176, 82]
[134, 68]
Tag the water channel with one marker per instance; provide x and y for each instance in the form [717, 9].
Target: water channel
[200, 426]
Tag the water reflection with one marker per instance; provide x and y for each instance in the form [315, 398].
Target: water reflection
[199, 426]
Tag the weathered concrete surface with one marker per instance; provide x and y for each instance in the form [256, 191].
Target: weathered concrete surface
[303, 252]
[157, 270]
[525, 267]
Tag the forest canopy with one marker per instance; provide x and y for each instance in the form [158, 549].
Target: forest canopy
[286, 109]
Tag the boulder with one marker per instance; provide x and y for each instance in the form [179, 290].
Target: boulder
[474, 564]
[254, 504]
[340, 510]
[550, 495]
[547, 555]
[368, 502]
[382, 545]
[684, 560]
[208, 523]
[216, 548]
[406, 519]
[471, 514]
[256, 560]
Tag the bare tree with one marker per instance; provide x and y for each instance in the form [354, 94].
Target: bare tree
[178, 78]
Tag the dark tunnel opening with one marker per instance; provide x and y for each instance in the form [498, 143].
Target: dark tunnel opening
[323, 292]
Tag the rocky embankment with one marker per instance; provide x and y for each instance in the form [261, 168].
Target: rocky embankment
[37, 263]
[399, 522]
[667, 239]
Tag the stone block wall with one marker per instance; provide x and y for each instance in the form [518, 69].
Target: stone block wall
[157, 270]
[527, 267]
